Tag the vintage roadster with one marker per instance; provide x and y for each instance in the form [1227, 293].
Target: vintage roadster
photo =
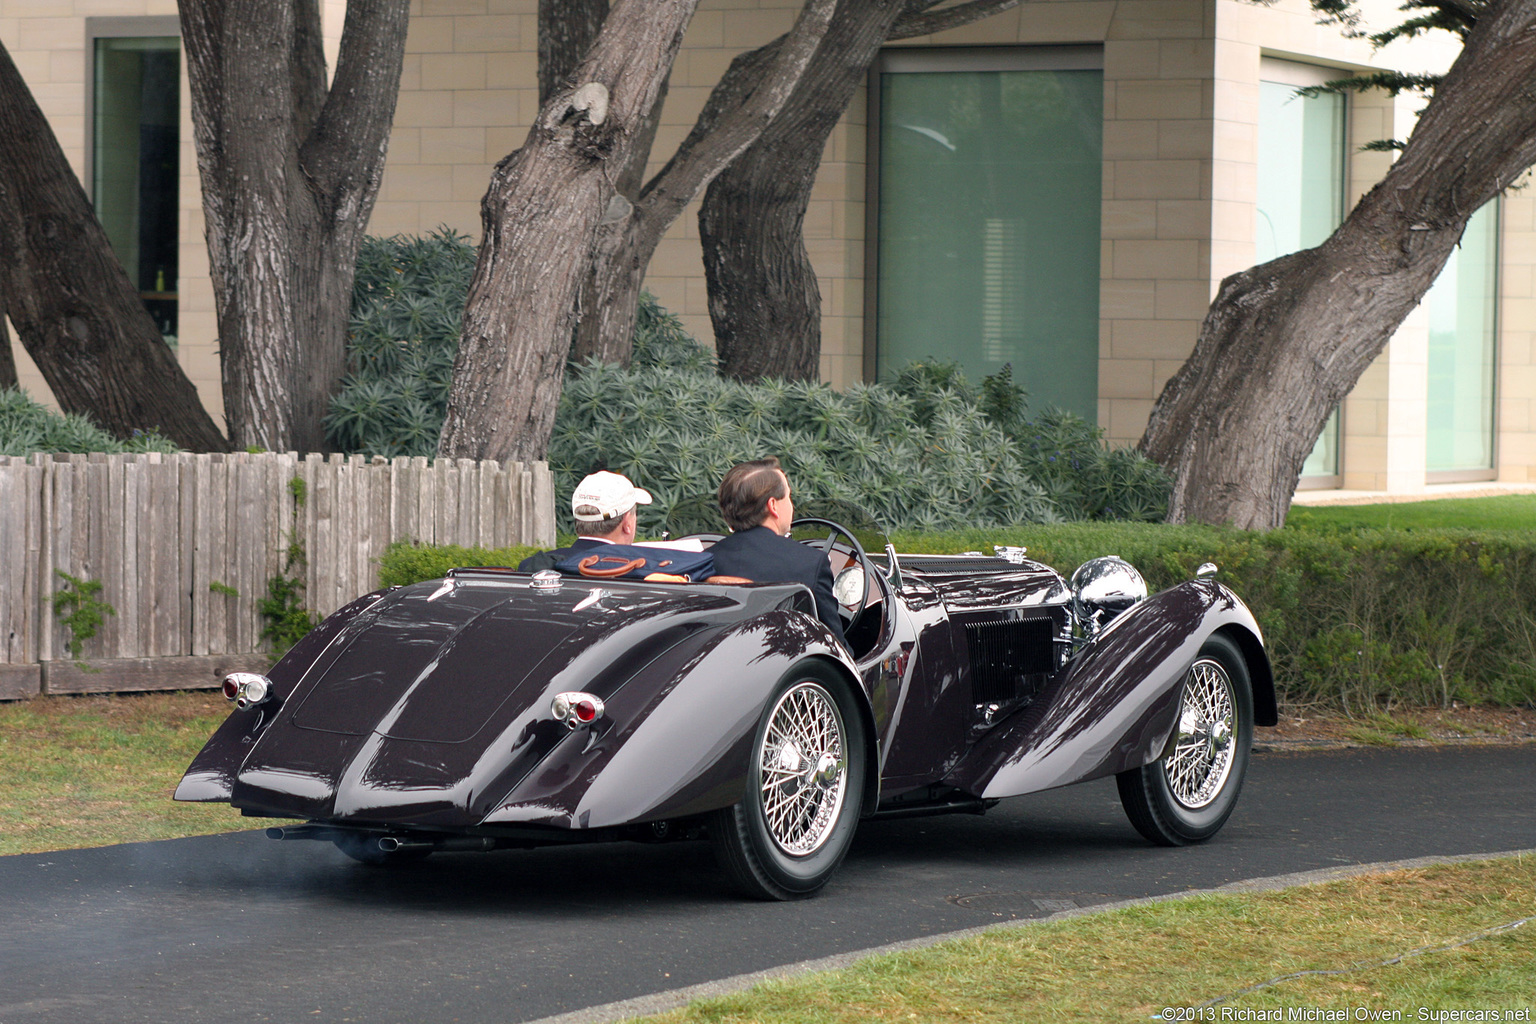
[496, 709]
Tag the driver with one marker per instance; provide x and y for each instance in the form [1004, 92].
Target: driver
[754, 498]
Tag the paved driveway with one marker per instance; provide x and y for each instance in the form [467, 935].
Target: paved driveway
[239, 928]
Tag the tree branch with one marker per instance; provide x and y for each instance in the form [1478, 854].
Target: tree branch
[307, 66]
[344, 155]
[918, 21]
[746, 99]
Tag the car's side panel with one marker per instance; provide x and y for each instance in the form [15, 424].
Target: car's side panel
[1113, 706]
[679, 747]
[927, 708]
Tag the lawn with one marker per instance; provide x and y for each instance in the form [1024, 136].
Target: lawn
[1515, 512]
[91, 771]
[1365, 948]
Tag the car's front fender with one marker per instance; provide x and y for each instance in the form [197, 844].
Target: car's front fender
[1112, 706]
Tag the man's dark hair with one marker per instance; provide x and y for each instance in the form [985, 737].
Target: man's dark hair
[602, 527]
[745, 491]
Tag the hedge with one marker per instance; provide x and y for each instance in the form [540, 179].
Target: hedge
[1358, 621]
[405, 563]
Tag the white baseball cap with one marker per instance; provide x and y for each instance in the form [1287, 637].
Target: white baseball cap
[610, 493]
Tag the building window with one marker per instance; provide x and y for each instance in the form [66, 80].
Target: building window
[1300, 197]
[1462, 347]
[135, 162]
[986, 169]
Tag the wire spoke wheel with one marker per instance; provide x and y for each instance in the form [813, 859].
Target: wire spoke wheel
[805, 778]
[1203, 753]
[801, 769]
[1186, 795]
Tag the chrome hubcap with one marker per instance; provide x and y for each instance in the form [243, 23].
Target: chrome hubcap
[803, 775]
[1203, 753]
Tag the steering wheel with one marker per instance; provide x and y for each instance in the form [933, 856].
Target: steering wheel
[839, 588]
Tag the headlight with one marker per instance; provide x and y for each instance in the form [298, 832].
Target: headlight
[1103, 588]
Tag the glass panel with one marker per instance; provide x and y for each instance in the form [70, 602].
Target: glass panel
[1324, 460]
[1301, 170]
[1300, 198]
[1461, 308]
[136, 150]
[989, 226]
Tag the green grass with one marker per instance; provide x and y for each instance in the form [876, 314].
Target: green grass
[92, 771]
[1382, 730]
[1128, 965]
[1504, 512]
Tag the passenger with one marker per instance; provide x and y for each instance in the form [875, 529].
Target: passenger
[754, 498]
[603, 505]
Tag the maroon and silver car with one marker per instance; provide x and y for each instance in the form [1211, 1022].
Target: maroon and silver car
[496, 709]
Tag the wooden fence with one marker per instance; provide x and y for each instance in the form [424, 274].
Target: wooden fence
[184, 547]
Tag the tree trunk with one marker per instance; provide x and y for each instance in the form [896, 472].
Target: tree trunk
[567, 30]
[548, 201]
[74, 308]
[1286, 341]
[290, 171]
[744, 102]
[539, 215]
[764, 301]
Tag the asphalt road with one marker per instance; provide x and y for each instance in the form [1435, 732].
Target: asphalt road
[240, 928]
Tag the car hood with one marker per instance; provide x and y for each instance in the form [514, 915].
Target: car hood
[432, 700]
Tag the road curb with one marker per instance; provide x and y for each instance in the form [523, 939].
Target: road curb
[660, 1002]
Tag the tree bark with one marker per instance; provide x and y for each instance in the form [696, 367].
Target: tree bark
[549, 199]
[539, 215]
[1286, 341]
[290, 171]
[764, 301]
[744, 102]
[74, 308]
[567, 29]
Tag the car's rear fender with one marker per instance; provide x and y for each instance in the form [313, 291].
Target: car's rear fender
[211, 776]
[680, 746]
[1114, 705]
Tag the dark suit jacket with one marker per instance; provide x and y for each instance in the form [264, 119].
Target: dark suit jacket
[547, 559]
[763, 556]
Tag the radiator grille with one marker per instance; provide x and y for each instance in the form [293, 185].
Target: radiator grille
[1009, 657]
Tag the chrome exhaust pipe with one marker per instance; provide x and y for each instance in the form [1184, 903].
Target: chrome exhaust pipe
[398, 844]
[321, 832]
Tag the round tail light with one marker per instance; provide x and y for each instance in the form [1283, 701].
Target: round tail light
[575, 708]
[247, 689]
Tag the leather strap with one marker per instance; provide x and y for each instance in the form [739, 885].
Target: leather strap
[588, 566]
